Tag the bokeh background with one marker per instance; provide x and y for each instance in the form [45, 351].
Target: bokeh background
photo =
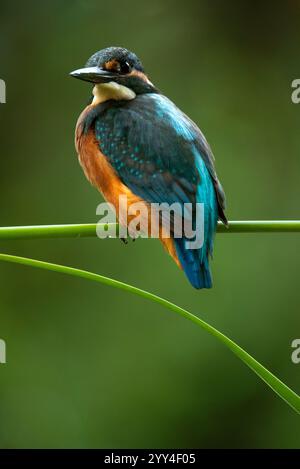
[89, 366]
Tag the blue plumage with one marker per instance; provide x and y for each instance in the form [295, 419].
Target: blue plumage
[161, 155]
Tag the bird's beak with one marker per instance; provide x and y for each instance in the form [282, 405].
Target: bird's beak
[94, 75]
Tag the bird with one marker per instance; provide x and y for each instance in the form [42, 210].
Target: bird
[133, 141]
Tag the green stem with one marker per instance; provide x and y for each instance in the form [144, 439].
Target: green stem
[89, 229]
[288, 395]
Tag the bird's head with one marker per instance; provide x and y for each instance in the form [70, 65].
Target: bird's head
[116, 74]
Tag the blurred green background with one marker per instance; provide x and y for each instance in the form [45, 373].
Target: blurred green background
[89, 366]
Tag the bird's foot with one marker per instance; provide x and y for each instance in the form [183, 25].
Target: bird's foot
[125, 240]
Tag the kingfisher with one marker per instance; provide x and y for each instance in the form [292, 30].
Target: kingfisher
[133, 141]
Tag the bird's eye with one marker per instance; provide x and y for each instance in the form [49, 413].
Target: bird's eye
[125, 67]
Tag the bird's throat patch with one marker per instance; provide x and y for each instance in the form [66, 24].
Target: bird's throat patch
[105, 91]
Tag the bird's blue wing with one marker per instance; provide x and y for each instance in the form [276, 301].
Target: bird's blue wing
[161, 155]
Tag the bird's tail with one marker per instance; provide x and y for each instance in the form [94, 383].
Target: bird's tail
[195, 264]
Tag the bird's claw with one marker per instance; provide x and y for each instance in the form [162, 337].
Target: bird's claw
[125, 240]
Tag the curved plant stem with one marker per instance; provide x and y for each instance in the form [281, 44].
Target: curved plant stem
[289, 396]
[89, 229]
